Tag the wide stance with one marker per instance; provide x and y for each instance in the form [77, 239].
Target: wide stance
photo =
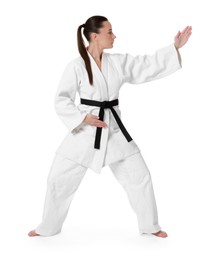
[65, 177]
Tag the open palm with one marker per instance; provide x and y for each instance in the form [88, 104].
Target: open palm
[182, 37]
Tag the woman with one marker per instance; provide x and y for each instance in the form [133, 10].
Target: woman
[97, 136]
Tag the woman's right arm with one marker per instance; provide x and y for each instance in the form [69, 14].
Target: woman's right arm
[65, 105]
[65, 95]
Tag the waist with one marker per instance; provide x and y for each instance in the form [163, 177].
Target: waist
[102, 104]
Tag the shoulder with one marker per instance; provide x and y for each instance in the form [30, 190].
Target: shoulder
[115, 56]
[78, 61]
[119, 59]
[74, 66]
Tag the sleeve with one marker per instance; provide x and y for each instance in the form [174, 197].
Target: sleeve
[65, 95]
[144, 68]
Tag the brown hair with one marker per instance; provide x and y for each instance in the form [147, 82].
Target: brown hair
[93, 24]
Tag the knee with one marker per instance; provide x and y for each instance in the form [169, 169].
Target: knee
[136, 178]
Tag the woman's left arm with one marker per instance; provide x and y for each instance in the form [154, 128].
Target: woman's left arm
[139, 69]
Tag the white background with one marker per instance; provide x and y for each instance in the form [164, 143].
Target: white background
[167, 118]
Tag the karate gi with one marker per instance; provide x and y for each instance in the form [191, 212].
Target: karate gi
[76, 153]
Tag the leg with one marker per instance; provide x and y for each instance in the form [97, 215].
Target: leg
[63, 180]
[133, 174]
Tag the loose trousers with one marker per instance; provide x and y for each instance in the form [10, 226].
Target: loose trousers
[65, 177]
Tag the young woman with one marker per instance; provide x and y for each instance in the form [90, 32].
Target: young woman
[97, 137]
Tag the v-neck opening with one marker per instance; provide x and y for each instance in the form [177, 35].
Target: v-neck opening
[102, 61]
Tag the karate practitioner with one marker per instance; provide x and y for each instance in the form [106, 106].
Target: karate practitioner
[96, 134]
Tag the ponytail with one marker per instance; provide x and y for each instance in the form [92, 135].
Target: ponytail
[84, 54]
[93, 24]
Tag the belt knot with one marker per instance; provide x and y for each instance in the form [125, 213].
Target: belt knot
[102, 105]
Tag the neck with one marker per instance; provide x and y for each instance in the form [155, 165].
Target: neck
[95, 52]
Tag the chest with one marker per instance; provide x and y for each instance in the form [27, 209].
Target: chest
[106, 80]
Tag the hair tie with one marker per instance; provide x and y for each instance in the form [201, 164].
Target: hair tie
[83, 25]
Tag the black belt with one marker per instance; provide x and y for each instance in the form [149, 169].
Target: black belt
[102, 105]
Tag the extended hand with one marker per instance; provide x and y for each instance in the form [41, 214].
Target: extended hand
[182, 37]
[94, 121]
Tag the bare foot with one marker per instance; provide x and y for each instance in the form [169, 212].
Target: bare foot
[160, 233]
[33, 233]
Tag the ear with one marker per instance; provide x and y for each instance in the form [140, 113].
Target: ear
[93, 36]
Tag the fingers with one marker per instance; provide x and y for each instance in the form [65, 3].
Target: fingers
[187, 30]
[97, 122]
[178, 34]
[93, 120]
[100, 123]
[94, 116]
[182, 38]
[189, 34]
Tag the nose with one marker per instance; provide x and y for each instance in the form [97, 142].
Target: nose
[114, 36]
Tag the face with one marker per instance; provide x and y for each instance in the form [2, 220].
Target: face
[105, 37]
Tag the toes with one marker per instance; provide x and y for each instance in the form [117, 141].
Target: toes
[32, 233]
[160, 234]
[163, 234]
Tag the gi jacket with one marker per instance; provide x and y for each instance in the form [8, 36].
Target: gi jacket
[116, 69]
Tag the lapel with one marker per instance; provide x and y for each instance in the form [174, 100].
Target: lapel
[100, 76]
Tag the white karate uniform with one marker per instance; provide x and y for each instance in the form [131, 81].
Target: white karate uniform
[64, 179]
[116, 69]
[76, 153]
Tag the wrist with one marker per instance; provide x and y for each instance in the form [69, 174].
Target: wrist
[176, 46]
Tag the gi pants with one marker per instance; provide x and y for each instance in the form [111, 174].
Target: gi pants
[65, 177]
